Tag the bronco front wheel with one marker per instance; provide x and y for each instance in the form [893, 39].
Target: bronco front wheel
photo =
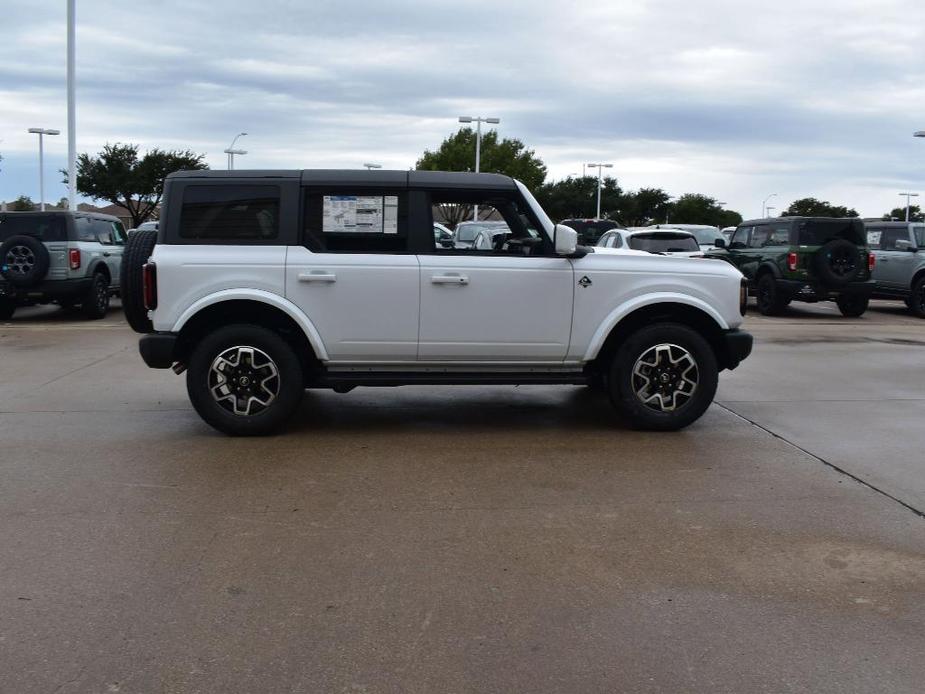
[244, 380]
[663, 377]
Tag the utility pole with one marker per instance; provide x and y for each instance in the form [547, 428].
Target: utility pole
[599, 168]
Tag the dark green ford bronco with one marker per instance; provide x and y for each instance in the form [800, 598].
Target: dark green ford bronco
[809, 259]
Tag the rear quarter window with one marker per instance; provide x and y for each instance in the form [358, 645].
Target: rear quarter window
[818, 232]
[230, 212]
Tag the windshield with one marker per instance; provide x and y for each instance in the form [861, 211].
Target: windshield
[663, 243]
[47, 227]
[536, 208]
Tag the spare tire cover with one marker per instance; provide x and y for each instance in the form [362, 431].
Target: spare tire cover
[24, 260]
[838, 262]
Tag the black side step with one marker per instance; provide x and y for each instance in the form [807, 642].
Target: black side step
[341, 379]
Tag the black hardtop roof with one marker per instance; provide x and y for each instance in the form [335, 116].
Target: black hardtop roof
[363, 177]
[881, 223]
[62, 213]
[778, 220]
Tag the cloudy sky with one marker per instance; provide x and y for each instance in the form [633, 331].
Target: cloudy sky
[735, 100]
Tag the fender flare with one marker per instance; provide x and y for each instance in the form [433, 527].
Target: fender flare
[263, 297]
[625, 309]
[94, 265]
[768, 266]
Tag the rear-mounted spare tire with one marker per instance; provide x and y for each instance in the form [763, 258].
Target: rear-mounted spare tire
[138, 249]
[24, 260]
[838, 262]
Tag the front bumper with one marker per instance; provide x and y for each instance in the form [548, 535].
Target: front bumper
[809, 291]
[735, 347]
[158, 350]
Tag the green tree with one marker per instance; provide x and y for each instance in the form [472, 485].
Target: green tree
[648, 206]
[899, 214]
[810, 207]
[694, 208]
[118, 175]
[508, 156]
[22, 204]
[576, 197]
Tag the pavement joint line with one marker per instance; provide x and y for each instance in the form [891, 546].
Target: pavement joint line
[865, 483]
[85, 366]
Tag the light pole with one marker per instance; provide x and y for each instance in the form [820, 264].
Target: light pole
[372, 166]
[478, 146]
[908, 195]
[599, 168]
[41, 132]
[71, 107]
[764, 205]
[231, 151]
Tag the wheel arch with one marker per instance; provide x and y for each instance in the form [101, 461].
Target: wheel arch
[767, 268]
[270, 311]
[98, 266]
[686, 311]
[919, 274]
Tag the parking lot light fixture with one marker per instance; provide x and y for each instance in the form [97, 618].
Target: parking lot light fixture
[919, 133]
[231, 151]
[369, 166]
[909, 195]
[764, 205]
[41, 132]
[599, 168]
[478, 120]
[769, 208]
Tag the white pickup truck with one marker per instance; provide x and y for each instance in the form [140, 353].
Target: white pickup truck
[260, 284]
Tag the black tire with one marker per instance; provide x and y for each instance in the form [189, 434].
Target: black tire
[916, 300]
[7, 309]
[769, 300]
[95, 302]
[24, 260]
[241, 373]
[686, 349]
[138, 249]
[837, 263]
[852, 306]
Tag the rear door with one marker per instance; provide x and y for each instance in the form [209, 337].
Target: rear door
[893, 265]
[353, 274]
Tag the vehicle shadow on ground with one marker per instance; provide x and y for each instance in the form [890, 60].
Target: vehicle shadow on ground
[828, 311]
[52, 314]
[455, 408]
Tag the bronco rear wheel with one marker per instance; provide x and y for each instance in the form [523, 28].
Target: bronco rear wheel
[663, 377]
[245, 380]
[770, 302]
[916, 301]
[852, 306]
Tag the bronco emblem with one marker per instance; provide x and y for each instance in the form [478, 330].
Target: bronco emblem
[585, 281]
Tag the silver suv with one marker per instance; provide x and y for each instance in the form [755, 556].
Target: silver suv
[899, 267]
[70, 258]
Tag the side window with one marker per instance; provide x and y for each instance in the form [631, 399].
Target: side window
[616, 241]
[118, 233]
[779, 236]
[85, 229]
[874, 234]
[248, 213]
[890, 236]
[759, 236]
[740, 237]
[356, 221]
[487, 223]
[919, 236]
[103, 232]
[606, 241]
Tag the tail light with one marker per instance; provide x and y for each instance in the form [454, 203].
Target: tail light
[743, 297]
[73, 258]
[871, 261]
[792, 261]
[149, 285]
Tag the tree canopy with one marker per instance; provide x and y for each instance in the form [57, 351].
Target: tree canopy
[507, 156]
[576, 197]
[899, 214]
[118, 175]
[810, 207]
[693, 208]
[22, 204]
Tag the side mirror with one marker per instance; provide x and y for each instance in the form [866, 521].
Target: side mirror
[565, 239]
[720, 243]
[904, 245]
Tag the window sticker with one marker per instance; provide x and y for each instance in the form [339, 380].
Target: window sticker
[366, 214]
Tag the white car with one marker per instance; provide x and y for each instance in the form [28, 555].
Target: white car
[466, 232]
[706, 235]
[261, 284]
[662, 241]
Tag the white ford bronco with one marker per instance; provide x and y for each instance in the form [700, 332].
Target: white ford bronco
[260, 284]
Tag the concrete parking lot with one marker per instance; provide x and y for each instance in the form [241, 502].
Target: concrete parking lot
[466, 539]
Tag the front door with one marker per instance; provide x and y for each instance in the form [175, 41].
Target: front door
[506, 298]
[354, 277]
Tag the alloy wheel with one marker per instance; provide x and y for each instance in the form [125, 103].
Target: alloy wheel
[665, 377]
[244, 380]
[20, 260]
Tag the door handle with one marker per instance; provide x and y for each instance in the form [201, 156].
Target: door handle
[106, 254]
[449, 279]
[317, 277]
